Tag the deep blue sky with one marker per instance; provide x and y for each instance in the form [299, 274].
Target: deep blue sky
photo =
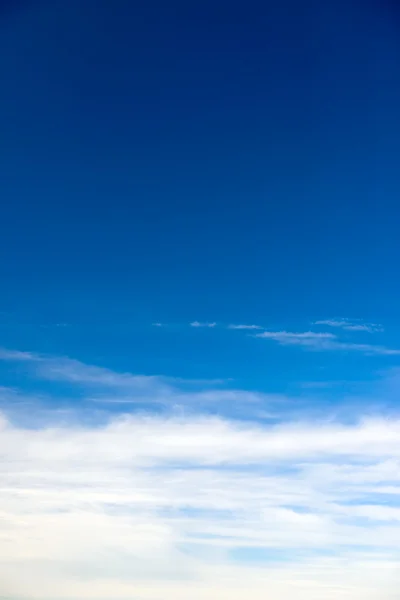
[229, 162]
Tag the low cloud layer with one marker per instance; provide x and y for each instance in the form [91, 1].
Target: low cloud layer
[165, 506]
[156, 504]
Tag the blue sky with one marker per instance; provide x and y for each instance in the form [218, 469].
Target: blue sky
[199, 331]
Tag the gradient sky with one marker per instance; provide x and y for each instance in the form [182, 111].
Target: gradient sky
[199, 330]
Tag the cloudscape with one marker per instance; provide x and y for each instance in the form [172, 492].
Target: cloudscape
[116, 484]
[199, 300]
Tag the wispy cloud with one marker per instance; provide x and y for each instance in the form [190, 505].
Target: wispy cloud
[244, 327]
[107, 387]
[91, 376]
[6, 354]
[324, 342]
[301, 338]
[198, 324]
[282, 336]
[369, 349]
[350, 326]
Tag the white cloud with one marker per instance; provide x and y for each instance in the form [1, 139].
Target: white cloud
[167, 507]
[350, 326]
[157, 508]
[244, 327]
[198, 324]
[295, 337]
[324, 342]
[368, 349]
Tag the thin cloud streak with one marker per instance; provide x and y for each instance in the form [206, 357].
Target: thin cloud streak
[198, 324]
[324, 342]
[350, 326]
[307, 335]
[245, 327]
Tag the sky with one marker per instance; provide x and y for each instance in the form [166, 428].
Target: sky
[199, 330]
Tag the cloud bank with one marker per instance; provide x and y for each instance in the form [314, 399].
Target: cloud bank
[169, 506]
[155, 507]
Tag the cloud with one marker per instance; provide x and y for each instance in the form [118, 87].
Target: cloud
[368, 349]
[244, 327]
[198, 324]
[199, 505]
[16, 355]
[107, 387]
[350, 326]
[156, 507]
[68, 369]
[324, 342]
[299, 337]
